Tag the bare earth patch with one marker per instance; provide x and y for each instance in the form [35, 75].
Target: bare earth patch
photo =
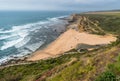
[69, 40]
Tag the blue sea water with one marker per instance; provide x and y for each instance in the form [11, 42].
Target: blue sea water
[23, 32]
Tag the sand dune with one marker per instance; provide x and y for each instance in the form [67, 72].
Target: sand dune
[68, 41]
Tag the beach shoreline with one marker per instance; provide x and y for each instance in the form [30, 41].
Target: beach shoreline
[57, 30]
[72, 37]
[62, 44]
[68, 40]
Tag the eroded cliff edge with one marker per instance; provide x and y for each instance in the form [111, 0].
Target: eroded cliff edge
[83, 23]
[94, 65]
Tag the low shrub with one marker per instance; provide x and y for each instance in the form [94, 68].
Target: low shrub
[106, 76]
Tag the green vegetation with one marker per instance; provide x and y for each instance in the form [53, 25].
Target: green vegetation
[115, 67]
[30, 72]
[99, 64]
[72, 73]
[112, 73]
[109, 23]
[107, 76]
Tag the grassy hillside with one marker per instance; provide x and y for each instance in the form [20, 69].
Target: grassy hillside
[32, 71]
[108, 22]
[96, 65]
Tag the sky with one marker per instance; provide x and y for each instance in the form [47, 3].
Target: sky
[68, 5]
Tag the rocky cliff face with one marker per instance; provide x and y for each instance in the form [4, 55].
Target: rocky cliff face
[84, 24]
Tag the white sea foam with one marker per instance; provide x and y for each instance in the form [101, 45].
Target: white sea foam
[56, 18]
[19, 28]
[19, 31]
[6, 36]
[10, 43]
[22, 37]
[35, 46]
[22, 32]
[22, 43]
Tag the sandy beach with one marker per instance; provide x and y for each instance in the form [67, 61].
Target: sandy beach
[69, 40]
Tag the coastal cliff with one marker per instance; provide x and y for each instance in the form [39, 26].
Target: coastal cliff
[99, 64]
[80, 31]
[82, 23]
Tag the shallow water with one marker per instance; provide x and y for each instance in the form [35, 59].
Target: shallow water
[22, 33]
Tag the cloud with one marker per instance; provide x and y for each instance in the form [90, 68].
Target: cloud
[93, 1]
[58, 4]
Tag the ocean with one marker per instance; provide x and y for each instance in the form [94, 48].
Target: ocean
[24, 32]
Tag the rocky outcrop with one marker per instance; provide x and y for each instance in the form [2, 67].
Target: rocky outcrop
[84, 24]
